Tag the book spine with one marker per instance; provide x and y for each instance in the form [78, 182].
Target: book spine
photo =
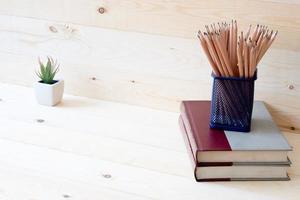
[188, 145]
[188, 132]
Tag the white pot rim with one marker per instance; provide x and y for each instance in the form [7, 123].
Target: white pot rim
[50, 85]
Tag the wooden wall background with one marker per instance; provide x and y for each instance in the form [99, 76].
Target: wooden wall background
[149, 54]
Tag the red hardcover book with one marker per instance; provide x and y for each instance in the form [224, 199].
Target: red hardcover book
[194, 163]
[219, 155]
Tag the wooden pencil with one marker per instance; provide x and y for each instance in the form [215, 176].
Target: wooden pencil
[251, 61]
[248, 33]
[240, 60]
[224, 56]
[242, 42]
[206, 51]
[234, 48]
[220, 55]
[246, 70]
[254, 34]
[254, 61]
[227, 36]
[214, 53]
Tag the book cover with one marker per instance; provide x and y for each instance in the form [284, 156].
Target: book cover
[265, 143]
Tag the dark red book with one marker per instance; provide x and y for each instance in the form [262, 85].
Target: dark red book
[235, 155]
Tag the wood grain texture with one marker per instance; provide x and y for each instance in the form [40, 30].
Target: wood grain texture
[172, 17]
[83, 139]
[135, 68]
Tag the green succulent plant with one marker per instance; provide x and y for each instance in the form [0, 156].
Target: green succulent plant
[47, 71]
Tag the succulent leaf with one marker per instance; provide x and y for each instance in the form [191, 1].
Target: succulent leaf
[48, 70]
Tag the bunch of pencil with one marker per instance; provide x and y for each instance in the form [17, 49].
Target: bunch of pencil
[233, 55]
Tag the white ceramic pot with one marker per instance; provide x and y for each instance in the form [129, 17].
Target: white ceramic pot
[49, 94]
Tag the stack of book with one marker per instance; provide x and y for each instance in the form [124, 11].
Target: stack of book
[219, 155]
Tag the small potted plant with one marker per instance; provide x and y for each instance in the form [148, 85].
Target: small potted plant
[48, 91]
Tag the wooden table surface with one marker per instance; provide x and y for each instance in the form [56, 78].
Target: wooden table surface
[90, 149]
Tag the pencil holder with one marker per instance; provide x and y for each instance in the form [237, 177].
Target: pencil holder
[232, 103]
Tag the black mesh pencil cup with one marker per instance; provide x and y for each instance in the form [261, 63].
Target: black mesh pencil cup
[232, 103]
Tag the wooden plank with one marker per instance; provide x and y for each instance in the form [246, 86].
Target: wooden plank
[172, 18]
[141, 69]
[19, 183]
[284, 1]
[99, 146]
